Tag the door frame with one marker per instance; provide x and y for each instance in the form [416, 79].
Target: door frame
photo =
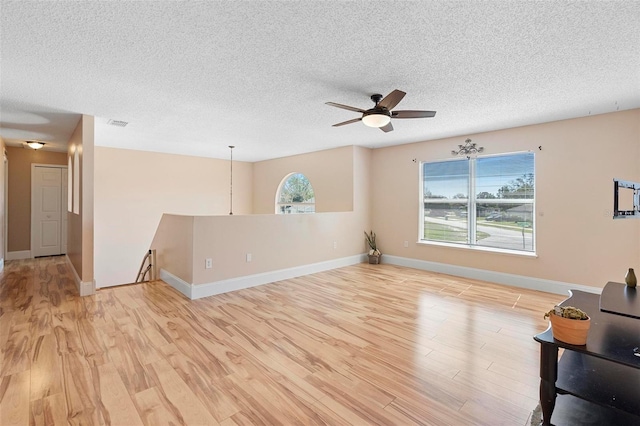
[63, 208]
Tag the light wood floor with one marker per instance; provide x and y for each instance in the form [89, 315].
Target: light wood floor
[365, 344]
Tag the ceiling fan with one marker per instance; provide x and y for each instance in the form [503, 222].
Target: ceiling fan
[380, 115]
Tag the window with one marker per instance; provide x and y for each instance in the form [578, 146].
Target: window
[480, 202]
[295, 195]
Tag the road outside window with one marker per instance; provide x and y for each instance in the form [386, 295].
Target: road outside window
[482, 202]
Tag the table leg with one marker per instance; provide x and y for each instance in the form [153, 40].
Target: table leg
[548, 377]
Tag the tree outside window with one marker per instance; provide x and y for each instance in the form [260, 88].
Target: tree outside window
[296, 195]
[481, 202]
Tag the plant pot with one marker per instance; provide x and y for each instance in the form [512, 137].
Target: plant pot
[374, 259]
[572, 331]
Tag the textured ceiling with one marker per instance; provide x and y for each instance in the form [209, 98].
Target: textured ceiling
[194, 77]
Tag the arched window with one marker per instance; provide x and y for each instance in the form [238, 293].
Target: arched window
[295, 195]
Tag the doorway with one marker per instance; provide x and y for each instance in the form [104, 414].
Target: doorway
[48, 210]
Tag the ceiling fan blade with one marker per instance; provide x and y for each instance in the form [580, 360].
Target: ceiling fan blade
[392, 99]
[412, 114]
[355, 120]
[350, 108]
[387, 128]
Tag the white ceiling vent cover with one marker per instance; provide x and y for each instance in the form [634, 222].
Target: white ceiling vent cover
[118, 123]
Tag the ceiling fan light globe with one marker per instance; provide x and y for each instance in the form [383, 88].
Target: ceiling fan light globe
[376, 120]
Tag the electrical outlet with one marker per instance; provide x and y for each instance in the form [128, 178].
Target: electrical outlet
[208, 263]
[249, 257]
[335, 244]
[406, 243]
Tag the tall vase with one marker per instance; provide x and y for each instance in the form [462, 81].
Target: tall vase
[630, 278]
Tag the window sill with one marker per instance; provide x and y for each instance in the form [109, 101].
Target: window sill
[479, 248]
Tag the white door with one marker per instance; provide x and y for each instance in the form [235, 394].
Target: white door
[46, 211]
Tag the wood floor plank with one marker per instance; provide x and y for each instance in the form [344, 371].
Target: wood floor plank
[156, 409]
[356, 411]
[424, 411]
[48, 411]
[119, 408]
[14, 406]
[499, 387]
[271, 358]
[412, 386]
[17, 346]
[206, 387]
[254, 408]
[180, 395]
[80, 396]
[278, 397]
[65, 329]
[364, 344]
[134, 373]
[488, 410]
[46, 369]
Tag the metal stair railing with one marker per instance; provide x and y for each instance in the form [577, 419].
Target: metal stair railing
[148, 267]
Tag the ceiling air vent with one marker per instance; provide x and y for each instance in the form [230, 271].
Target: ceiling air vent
[118, 123]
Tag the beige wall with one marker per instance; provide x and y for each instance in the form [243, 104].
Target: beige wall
[330, 173]
[173, 242]
[133, 189]
[19, 196]
[2, 203]
[275, 242]
[577, 240]
[80, 249]
[362, 184]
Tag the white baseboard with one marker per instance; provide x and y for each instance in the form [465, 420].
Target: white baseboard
[224, 286]
[18, 255]
[522, 281]
[218, 287]
[177, 283]
[86, 288]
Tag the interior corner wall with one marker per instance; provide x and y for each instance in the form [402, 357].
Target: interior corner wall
[2, 204]
[362, 185]
[80, 224]
[87, 191]
[173, 242]
[19, 194]
[330, 173]
[577, 239]
[133, 189]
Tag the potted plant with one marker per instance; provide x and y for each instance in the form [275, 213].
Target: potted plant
[569, 324]
[374, 253]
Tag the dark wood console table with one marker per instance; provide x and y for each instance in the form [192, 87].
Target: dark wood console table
[597, 383]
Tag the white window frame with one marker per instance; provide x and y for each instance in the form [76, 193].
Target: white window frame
[279, 205]
[471, 203]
